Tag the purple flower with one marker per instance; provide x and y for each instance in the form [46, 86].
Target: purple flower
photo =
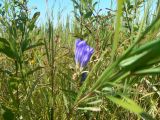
[83, 52]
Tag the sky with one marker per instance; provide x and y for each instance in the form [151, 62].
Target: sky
[65, 6]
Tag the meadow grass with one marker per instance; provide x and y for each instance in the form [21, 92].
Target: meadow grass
[38, 75]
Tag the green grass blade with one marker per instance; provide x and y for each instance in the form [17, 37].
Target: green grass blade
[130, 105]
[117, 29]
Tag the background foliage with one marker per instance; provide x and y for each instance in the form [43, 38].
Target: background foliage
[37, 68]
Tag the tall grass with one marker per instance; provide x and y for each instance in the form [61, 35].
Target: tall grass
[38, 77]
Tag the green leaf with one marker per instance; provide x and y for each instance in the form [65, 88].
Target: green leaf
[3, 41]
[66, 102]
[70, 94]
[7, 113]
[34, 70]
[34, 46]
[24, 44]
[129, 105]
[36, 15]
[95, 4]
[146, 55]
[95, 102]
[148, 71]
[76, 3]
[33, 20]
[94, 109]
[88, 14]
[128, 62]
[5, 49]
[146, 46]
[145, 116]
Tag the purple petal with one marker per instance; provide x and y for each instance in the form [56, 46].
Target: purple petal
[79, 49]
[87, 53]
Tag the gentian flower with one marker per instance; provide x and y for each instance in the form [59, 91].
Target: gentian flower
[83, 53]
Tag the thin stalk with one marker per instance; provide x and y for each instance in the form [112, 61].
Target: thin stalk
[81, 17]
[117, 29]
[17, 89]
[129, 27]
[53, 71]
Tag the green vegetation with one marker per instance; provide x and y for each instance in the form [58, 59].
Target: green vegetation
[38, 74]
